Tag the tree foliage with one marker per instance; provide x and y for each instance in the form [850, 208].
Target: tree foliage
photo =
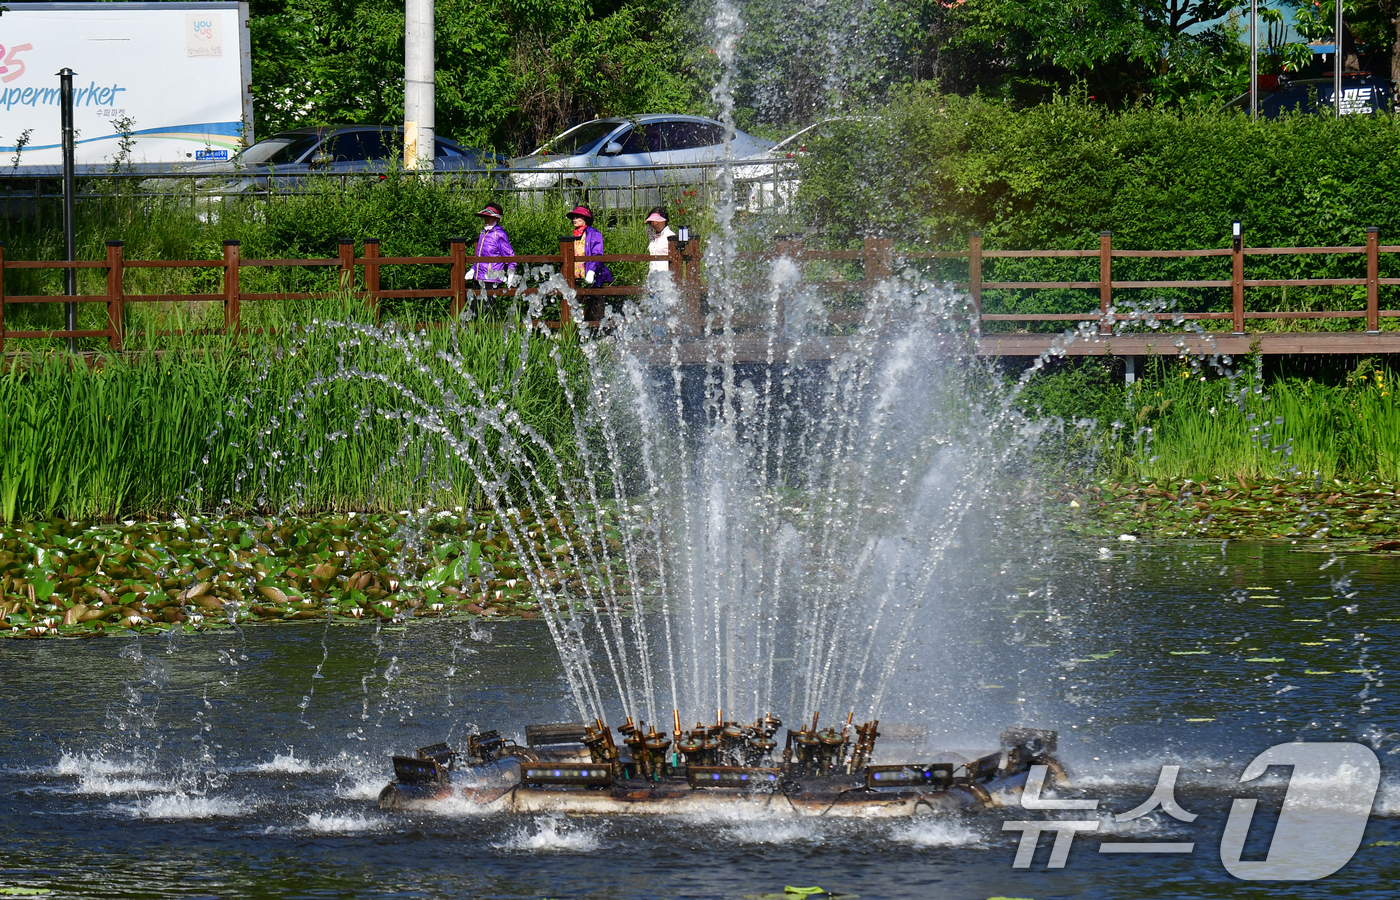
[801, 62]
[509, 72]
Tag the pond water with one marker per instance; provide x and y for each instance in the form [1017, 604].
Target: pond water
[246, 764]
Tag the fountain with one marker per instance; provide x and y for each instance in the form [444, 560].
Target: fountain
[784, 536]
[780, 536]
[578, 769]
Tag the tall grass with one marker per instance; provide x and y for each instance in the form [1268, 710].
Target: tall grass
[339, 414]
[1182, 421]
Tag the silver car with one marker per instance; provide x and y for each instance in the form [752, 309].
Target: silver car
[625, 162]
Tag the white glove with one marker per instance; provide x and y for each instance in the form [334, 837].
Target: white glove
[512, 280]
[588, 277]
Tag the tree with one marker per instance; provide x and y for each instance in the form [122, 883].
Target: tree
[509, 72]
[1124, 51]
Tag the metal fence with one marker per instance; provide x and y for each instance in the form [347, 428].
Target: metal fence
[757, 185]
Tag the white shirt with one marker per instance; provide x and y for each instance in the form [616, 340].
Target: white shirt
[660, 245]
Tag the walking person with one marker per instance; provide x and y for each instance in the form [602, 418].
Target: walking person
[588, 241]
[493, 241]
[659, 242]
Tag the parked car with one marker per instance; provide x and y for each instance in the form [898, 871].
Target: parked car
[772, 184]
[287, 159]
[602, 158]
[1361, 94]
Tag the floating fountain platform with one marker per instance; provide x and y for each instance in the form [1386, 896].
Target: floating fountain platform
[579, 769]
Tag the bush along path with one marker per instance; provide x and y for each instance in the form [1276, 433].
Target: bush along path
[62, 578]
[1341, 514]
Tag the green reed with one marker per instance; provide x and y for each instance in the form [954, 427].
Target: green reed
[329, 416]
[1184, 421]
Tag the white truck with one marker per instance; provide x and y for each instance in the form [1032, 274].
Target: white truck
[171, 80]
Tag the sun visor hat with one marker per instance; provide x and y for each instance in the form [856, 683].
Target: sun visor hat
[491, 209]
[580, 211]
[656, 217]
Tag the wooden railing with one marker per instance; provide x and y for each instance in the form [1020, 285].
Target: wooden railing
[975, 285]
[680, 263]
[362, 276]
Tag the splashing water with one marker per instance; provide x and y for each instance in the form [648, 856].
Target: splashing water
[551, 834]
[784, 535]
[936, 833]
[349, 824]
[181, 805]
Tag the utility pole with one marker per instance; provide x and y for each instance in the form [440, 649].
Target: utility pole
[419, 97]
[1254, 59]
[1337, 61]
[70, 275]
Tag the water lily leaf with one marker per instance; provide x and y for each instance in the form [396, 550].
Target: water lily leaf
[1265, 659]
[272, 593]
[193, 591]
[43, 588]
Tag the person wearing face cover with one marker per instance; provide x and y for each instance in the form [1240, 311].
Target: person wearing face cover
[493, 241]
[588, 241]
[658, 242]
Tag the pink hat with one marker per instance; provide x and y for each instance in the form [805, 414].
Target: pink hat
[583, 211]
[655, 217]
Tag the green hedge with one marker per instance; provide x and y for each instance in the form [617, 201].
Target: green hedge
[929, 170]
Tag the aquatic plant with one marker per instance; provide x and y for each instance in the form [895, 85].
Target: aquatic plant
[62, 578]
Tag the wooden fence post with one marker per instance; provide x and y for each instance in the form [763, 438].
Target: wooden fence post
[372, 275]
[694, 292]
[974, 279]
[566, 268]
[2, 296]
[1373, 283]
[347, 264]
[878, 262]
[115, 294]
[1105, 281]
[457, 249]
[674, 262]
[231, 293]
[1237, 277]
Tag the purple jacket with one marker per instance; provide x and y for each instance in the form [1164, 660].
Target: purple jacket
[593, 246]
[492, 243]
